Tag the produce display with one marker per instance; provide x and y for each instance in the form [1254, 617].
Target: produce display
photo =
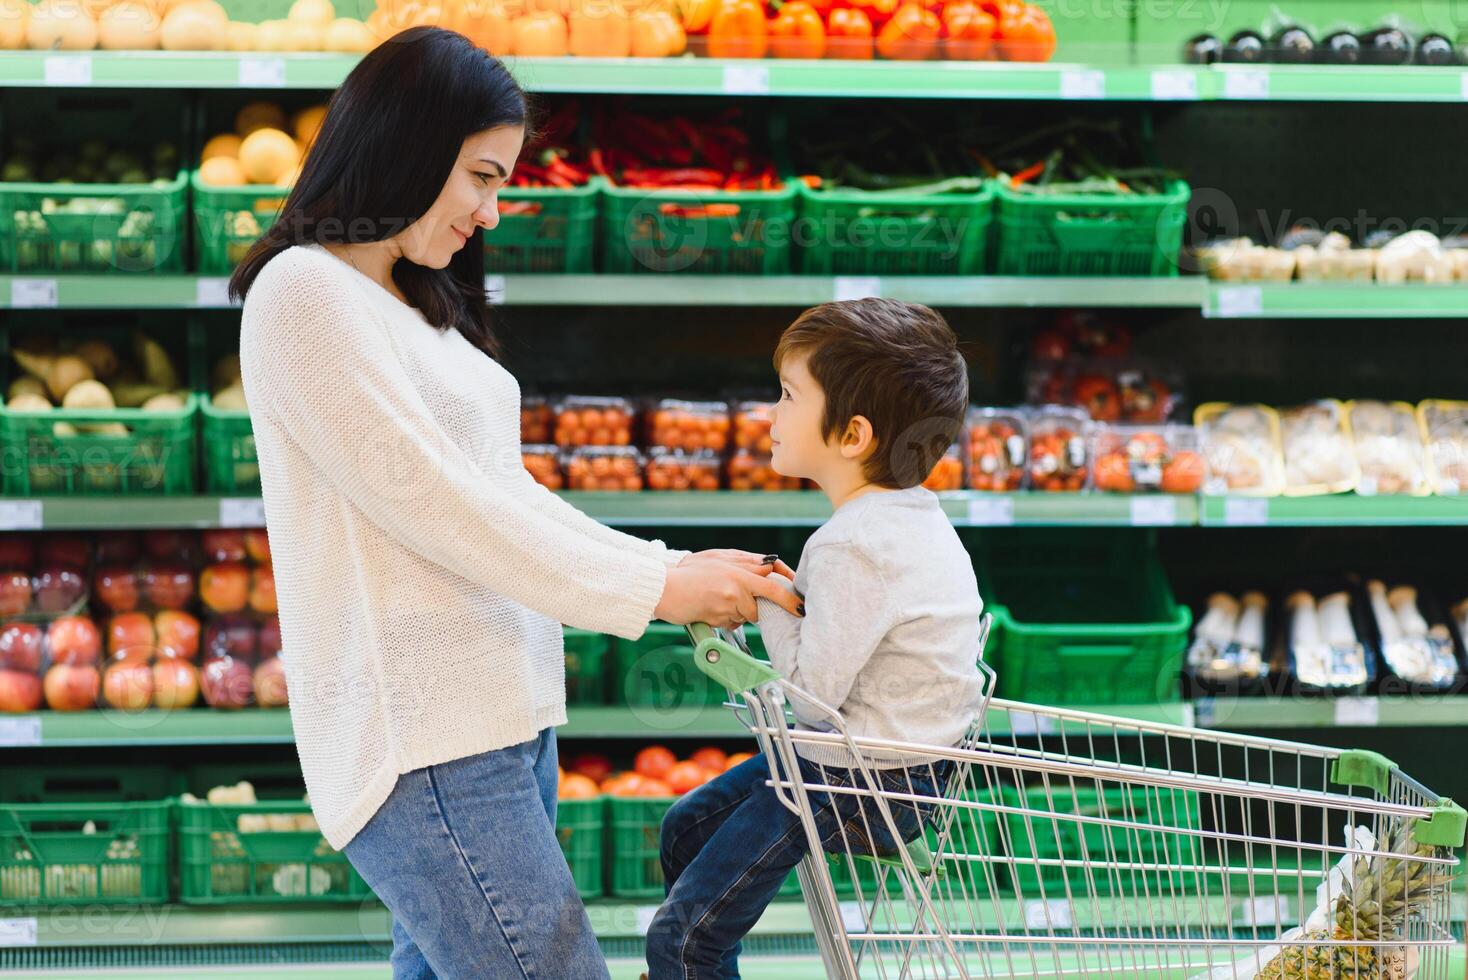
[752, 426]
[537, 420]
[1325, 648]
[751, 471]
[243, 794]
[1228, 644]
[1389, 449]
[544, 464]
[674, 469]
[947, 473]
[715, 150]
[265, 147]
[689, 426]
[604, 468]
[1059, 457]
[1445, 429]
[1318, 457]
[1135, 458]
[1242, 446]
[656, 771]
[1288, 41]
[1310, 255]
[1411, 648]
[593, 421]
[91, 374]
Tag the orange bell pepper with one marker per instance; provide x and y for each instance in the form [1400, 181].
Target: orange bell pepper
[1026, 34]
[968, 31]
[541, 35]
[697, 14]
[739, 30]
[797, 32]
[911, 34]
[600, 30]
[485, 22]
[657, 34]
[877, 11]
[849, 34]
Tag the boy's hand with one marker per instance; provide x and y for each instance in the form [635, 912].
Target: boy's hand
[749, 559]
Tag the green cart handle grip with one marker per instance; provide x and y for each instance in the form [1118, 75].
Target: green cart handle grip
[725, 664]
[1358, 767]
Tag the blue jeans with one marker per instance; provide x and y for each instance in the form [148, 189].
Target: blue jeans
[464, 855]
[728, 846]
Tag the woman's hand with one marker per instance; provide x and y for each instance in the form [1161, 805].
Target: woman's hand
[721, 593]
[746, 559]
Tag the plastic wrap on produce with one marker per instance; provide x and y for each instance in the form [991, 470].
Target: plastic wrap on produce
[1318, 456]
[1444, 426]
[1389, 449]
[1242, 446]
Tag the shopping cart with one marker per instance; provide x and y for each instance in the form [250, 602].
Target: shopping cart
[1066, 843]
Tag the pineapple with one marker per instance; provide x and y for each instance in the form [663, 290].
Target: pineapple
[1383, 894]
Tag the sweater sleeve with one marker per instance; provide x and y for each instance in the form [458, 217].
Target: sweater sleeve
[847, 612]
[318, 360]
[552, 506]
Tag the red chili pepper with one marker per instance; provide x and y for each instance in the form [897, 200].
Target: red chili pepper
[1029, 173]
[597, 163]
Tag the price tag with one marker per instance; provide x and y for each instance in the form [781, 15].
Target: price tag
[1158, 511]
[1174, 86]
[18, 932]
[1204, 711]
[33, 293]
[262, 72]
[494, 289]
[1463, 84]
[21, 515]
[241, 512]
[211, 292]
[1082, 84]
[990, 511]
[19, 730]
[856, 287]
[853, 916]
[746, 80]
[1234, 301]
[1247, 83]
[1357, 712]
[1246, 511]
[1029, 723]
[69, 70]
[1188, 720]
[1051, 914]
[644, 915]
[1267, 910]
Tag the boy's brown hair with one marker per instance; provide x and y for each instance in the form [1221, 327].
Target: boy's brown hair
[895, 363]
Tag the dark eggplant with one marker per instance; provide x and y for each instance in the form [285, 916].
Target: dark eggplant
[1434, 49]
[1292, 46]
[1340, 48]
[1205, 49]
[1245, 48]
[1386, 46]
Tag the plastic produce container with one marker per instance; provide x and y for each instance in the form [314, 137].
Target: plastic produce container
[79, 853]
[583, 420]
[947, 473]
[1147, 458]
[1059, 457]
[1045, 234]
[689, 426]
[752, 426]
[670, 469]
[581, 831]
[636, 867]
[536, 420]
[231, 465]
[586, 666]
[614, 468]
[544, 229]
[645, 230]
[544, 464]
[753, 471]
[888, 233]
[997, 443]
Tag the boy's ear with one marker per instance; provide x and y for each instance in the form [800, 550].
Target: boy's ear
[858, 439]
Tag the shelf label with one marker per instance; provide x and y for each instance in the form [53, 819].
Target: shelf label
[262, 72]
[1246, 511]
[1174, 85]
[21, 515]
[1357, 712]
[987, 511]
[33, 293]
[494, 290]
[1159, 511]
[212, 292]
[1233, 301]
[853, 916]
[1077, 83]
[1267, 910]
[1463, 84]
[1247, 83]
[746, 80]
[1204, 711]
[19, 730]
[1028, 723]
[69, 70]
[241, 512]
[856, 287]
[643, 915]
[18, 932]
[1050, 914]
[1189, 718]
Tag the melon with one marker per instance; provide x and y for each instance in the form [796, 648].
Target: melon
[222, 172]
[259, 115]
[211, 7]
[271, 36]
[131, 25]
[267, 156]
[98, 7]
[241, 36]
[318, 12]
[61, 25]
[223, 145]
[192, 27]
[307, 123]
[301, 35]
[15, 15]
[348, 36]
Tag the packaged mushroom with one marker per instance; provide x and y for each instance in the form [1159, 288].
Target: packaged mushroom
[1241, 447]
[1318, 457]
[1228, 645]
[1444, 426]
[1332, 259]
[1415, 256]
[1240, 260]
[1326, 653]
[1389, 450]
[1415, 651]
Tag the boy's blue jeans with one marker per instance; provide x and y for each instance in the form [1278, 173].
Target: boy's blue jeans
[728, 846]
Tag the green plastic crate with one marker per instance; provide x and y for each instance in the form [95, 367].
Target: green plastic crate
[546, 229]
[220, 864]
[1082, 618]
[84, 854]
[1090, 234]
[862, 233]
[657, 670]
[642, 231]
[231, 467]
[79, 784]
[1030, 838]
[586, 666]
[581, 829]
[228, 220]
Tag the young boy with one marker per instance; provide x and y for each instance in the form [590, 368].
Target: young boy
[873, 392]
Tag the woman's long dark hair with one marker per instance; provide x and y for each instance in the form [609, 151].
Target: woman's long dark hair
[392, 134]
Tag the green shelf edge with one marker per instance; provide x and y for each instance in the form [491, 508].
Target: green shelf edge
[1321, 300]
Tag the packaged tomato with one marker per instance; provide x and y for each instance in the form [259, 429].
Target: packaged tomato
[1389, 448]
[1146, 458]
[604, 468]
[593, 421]
[752, 426]
[689, 426]
[998, 443]
[1109, 390]
[544, 464]
[752, 471]
[536, 420]
[1318, 458]
[673, 469]
[1241, 444]
[1059, 460]
[1444, 426]
[947, 473]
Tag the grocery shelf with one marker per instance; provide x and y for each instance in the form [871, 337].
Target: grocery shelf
[1339, 510]
[1314, 300]
[1256, 714]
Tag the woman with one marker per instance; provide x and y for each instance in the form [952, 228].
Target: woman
[423, 576]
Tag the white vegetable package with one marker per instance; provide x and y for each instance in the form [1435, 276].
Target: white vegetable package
[1318, 455]
[1389, 449]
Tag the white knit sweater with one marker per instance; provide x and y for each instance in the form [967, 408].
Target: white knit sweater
[422, 574]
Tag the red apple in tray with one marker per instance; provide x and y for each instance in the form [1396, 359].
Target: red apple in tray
[130, 636]
[170, 546]
[178, 635]
[74, 640]
[17, 551]
[225, 586]
[169, 585]
[15, 593]
[67, 550]
[128, 684]
[227, 683]
[20, 647]
[71, 687]
[230, 635]
[20, 691]
[270, 687]
[224, 544]
[118, 589]
[269, 637]
[175, 684]
[59, 589]
[262, 590]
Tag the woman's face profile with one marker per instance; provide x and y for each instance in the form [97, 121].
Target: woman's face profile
[469, 197]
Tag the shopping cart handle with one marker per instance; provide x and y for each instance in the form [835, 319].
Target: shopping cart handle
[725, 664]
